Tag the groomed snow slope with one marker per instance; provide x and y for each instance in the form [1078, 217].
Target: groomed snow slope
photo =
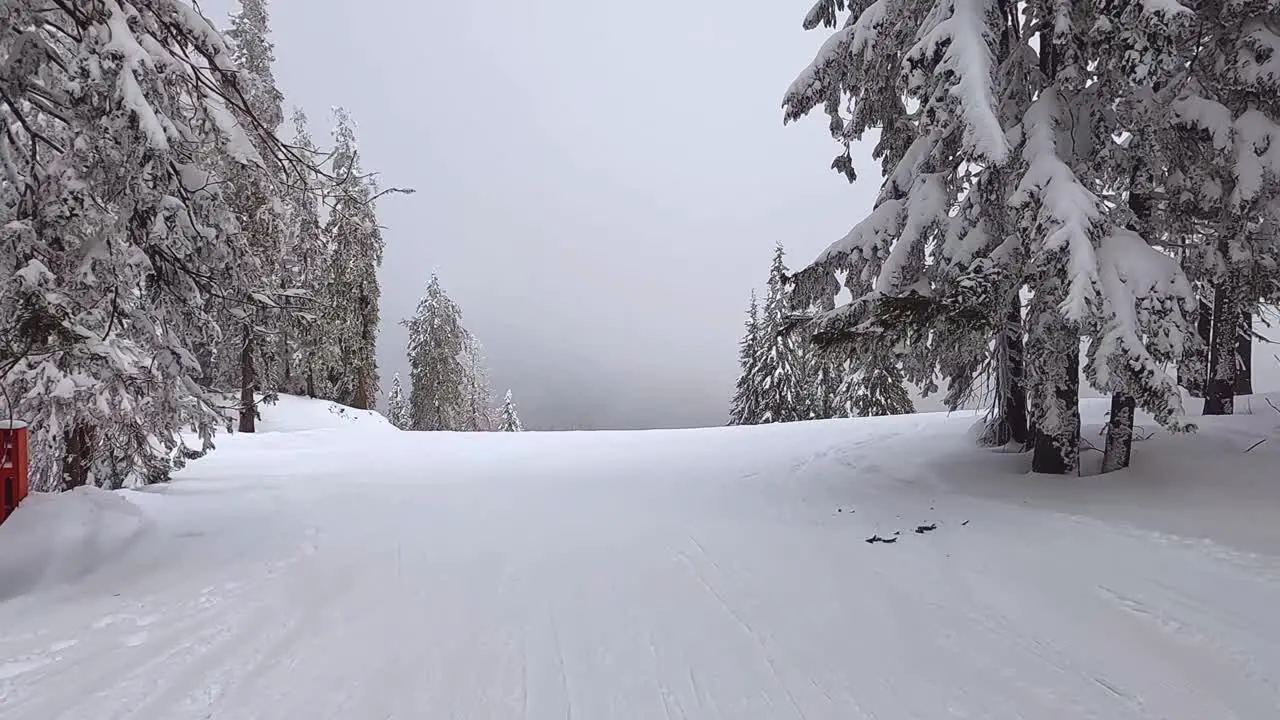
[361, 572]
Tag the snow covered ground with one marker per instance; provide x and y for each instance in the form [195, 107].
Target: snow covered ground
[337, 568]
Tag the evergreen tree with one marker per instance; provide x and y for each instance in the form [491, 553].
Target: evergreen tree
[437, 342]
[508, 419]
[308, 341]
[477, 395]
[397, 405]
[778, 366]
[1000, 183]
[833, 382]
[351, 294]
[254, 196]
[122, 121]
[746, 398]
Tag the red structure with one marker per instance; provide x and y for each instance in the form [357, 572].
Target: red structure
[13, 466]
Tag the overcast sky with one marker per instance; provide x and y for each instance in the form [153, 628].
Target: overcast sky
[600, 184]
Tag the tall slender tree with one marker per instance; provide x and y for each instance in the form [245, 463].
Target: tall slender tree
[477, 394]
[398, 405]
[254, 195]
[308, 341]
[437, 343]
[778, 366]
[352, 294]
[744, 410]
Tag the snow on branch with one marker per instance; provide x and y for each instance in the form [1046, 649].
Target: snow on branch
[833, 67]
[1145, 298]
[1067, 213]
[958, 32]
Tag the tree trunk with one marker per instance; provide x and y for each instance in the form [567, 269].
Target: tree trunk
[78, 455]
[1057, 442]
[1244, 355]
[248, 410]
[1219, 397]
[1011, 381]
[1193, 368]
[1119, 433]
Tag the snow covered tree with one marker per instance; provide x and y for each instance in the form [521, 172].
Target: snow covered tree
[746, 398]
[877, 390]
[120, 120]
[308, 342]
[1002, 137]
[834, 383]
[1225, 149]
[254, 196]
[477, 395]
[397, 405]
[351, 295]
[437, 373]
[508, 419]
[778, 367]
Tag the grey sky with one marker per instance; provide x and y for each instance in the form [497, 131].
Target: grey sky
[599, 184]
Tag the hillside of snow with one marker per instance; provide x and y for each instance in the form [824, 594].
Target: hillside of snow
[342, 569]
[299, 414]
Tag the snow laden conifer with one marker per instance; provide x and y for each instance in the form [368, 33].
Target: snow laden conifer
[247, 358]
[745, 408]
[508, 418]
[397, 405]
[308, 342]
[437, 373]
[120, 119]
[1221, 138]
[477, 394]
[778, 367]
[998, 168]
[351, 295]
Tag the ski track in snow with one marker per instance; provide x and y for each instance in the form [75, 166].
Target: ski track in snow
[644, 575]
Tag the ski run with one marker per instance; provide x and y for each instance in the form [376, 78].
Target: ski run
[332, 566]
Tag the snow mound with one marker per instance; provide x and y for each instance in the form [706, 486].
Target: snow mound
[299, 414]
[59, 538]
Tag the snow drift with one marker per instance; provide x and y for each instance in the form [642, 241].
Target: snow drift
[59, 538]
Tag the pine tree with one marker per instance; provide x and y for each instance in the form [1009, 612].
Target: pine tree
[437, 342]
[746, 398]
[351, 294]
[1225, 128]
[121, 120]
[508, 419]
[254, 196]
[778, 366]
[477, 395]
[1000, 184]
[397, 405]
[309, 339]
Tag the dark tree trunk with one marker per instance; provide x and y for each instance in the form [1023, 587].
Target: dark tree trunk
[311, 382]
[1244, 355]
[1057, 448]
[362, 398]
[248, 409]
[1219, 397]
[1011, 381]
[78, 455]
[1119, 433]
